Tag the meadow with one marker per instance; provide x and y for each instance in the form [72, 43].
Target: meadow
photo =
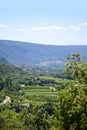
[38, 94]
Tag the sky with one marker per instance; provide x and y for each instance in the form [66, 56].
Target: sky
[54, 22]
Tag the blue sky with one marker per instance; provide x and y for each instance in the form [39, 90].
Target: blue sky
[60, 22]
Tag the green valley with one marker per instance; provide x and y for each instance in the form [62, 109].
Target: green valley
[44, 98]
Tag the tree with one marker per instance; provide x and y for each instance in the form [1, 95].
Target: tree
[73, 99]
[77, 68]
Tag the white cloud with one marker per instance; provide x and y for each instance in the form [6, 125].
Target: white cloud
[75, 28]
[21, 29]
[83, 24]
[3, 26]
[47, 28]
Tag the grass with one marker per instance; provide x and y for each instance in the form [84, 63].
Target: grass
[58, 80]
[42, 94]
[39, 94]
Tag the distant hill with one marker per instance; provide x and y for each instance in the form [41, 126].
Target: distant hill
[23, 53]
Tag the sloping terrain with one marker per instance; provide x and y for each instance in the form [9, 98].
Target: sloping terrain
[23, 53]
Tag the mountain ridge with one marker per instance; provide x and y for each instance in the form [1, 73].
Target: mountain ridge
[27, 53]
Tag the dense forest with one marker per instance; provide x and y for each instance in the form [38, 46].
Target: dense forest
[40, 98]
[29, 54]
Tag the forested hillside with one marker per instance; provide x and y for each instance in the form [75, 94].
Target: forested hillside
[22, 53]
[44, 99]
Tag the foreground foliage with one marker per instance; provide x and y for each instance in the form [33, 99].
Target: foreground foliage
[66, 109]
